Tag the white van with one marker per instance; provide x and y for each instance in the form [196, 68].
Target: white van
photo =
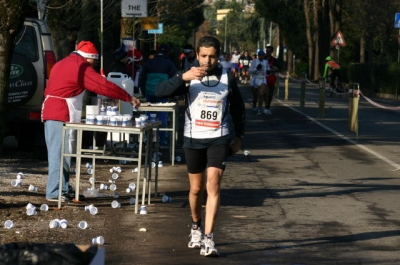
[32, 61]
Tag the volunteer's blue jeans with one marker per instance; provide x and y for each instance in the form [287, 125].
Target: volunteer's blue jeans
[161, 116]
[53, 135]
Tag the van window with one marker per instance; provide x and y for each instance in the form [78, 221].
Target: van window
[26, 44]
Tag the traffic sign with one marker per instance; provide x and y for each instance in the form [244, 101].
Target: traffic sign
[157, 31]
[397, 20]
[134, 8]
[338, 40]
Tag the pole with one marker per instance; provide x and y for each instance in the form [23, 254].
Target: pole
[226, 19]
[101, 38]
[133, 47]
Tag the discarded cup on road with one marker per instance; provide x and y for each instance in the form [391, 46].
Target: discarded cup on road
[91, 180]
[20, 175]
[178, 159]
[143, 209]
[132, 200]
[165, 198]
[63, 223]
[54, 223]
[93, 210]
[153, 165]
[246, 152]
[90, 171]
[113, 187]
[111, 181]
[32, 188]
[30, 205]
[8, 224]
[160, 164]
[131, 187]
[82, 225]
[114, 176]
[31, 211]
[44, 207]
[115, 204]
[88, 165]
[16, 183]
[98, 240]
[135, 170]
[103, 186]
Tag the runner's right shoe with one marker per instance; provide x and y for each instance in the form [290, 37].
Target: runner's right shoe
[196, 236]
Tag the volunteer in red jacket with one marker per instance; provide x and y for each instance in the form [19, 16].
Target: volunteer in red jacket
[63, 98]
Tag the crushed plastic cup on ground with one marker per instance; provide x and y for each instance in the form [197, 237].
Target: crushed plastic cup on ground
[132, 200]
[246, 152]
[160, 164]
[82, 225]
[8, 224]
[165, 198]
[178, 159]
[20, 175]
[44, 207]
[32, 188]
[54, 223]
[135, 170]
[115, 204]
[153, 165]
[113, 187]
[143, 209]
[31, 211]
[63, 223]
[103, 186]
[90, 171]
[98, 240]
[16, 183]
[114, 176]
[91, 180]
[88, 165]
[111, 181]
[30, 205]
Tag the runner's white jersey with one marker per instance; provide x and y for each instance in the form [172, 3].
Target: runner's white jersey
[207, 103]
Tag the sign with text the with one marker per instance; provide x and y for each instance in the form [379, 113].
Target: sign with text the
[134, 8]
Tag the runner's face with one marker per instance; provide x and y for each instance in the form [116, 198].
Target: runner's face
[207, 57]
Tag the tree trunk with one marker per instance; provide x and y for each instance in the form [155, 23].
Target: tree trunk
[362, 48]
[12, 15]
[308, 33]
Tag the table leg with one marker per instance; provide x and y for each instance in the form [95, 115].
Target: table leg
[78, 163]
[139, 171]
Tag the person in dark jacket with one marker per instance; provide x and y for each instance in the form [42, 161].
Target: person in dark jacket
[119, 63]
[153, 72]
[212, 100]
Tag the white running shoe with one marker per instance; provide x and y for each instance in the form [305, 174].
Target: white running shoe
[196, 236]
[267, 112]
[208, 248]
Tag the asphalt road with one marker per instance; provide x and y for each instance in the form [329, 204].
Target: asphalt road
[310, 192]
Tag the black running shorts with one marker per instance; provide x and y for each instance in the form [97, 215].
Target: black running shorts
[197, 160]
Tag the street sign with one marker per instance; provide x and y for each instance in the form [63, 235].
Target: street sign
[157, 31]
[149, 23]
[397, 20]
[134, 8]
[338, 40]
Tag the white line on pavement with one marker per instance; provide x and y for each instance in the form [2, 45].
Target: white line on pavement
[363, 147]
